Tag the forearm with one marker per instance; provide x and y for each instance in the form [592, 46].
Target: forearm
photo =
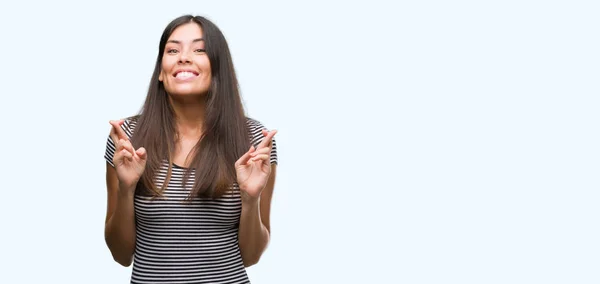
[120, 229]
[253, 235]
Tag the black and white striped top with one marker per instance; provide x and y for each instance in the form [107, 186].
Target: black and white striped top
[181, 242]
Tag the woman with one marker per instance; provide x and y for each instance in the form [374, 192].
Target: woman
[190, 178]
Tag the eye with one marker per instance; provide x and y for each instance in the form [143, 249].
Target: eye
[200, 50]
[172, 51]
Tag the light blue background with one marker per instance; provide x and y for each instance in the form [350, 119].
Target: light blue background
[419, 141]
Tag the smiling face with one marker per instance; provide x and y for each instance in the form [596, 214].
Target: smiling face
[185, 68]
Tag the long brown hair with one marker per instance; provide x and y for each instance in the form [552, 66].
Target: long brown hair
[225, 134]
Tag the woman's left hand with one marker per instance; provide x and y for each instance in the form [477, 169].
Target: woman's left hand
[254, 167]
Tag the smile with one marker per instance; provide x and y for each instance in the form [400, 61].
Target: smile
[183, 75]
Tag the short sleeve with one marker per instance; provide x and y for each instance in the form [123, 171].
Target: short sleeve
[256, 136]
[109, 153]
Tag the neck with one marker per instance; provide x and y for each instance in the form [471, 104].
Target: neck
[189, 115]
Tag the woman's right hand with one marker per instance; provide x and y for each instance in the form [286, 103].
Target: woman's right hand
[129, 163]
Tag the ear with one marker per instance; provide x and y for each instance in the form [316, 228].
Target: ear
[160, 76]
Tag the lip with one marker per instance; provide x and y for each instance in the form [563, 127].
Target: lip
[185, 70]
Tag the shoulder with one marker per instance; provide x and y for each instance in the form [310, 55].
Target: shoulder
[255, 128]
[254, 124]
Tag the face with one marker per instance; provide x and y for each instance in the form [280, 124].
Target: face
[185, 68]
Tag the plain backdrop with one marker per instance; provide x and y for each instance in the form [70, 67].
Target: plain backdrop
[419, 141]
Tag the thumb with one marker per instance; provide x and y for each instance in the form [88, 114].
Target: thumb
[141, 152]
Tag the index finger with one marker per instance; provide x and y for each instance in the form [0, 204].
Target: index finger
[117, 132]
[267, 140]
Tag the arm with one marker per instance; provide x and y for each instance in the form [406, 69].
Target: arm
[255, 226]
[124, 168]
[119, 230]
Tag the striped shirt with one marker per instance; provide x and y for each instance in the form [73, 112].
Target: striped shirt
[183, 242]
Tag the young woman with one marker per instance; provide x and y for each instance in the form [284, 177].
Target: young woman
[190, 178]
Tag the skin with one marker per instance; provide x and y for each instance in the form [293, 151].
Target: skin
[256, 176]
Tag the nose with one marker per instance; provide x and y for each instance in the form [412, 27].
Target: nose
[184, 56]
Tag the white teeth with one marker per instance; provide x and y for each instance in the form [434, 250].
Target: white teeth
[185, 75]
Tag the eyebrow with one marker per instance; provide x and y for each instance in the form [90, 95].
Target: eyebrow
[179, 42]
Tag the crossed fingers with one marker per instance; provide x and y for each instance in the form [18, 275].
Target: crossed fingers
[263, 150]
